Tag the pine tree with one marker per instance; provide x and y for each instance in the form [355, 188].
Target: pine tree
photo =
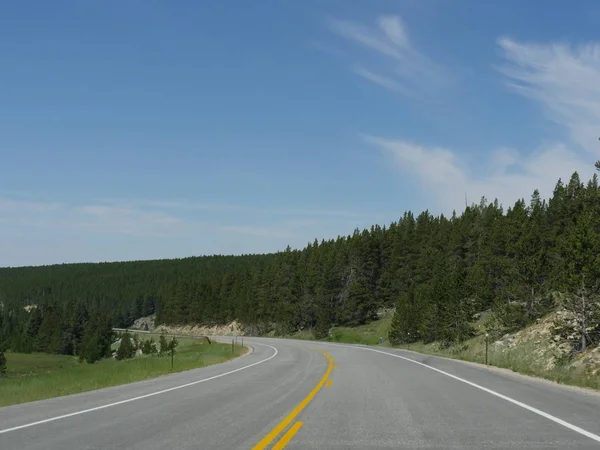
[172, 345]
[97, 339]
[163, 344]
[126, 349]
[147, 347]
[77, 323]
[407, 318]
[151, 347]
[33, 328]
[580, 246]
[2, 364]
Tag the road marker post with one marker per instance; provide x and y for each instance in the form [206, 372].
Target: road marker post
[486, 348]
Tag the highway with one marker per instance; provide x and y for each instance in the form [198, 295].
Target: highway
[308, 395]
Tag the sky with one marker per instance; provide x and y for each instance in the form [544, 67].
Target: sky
[143, 129]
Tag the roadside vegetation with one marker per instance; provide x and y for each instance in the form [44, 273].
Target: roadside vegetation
[536, 350]
[36, 376]
[533, 357]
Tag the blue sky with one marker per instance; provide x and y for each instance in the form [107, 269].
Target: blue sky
[147, 129]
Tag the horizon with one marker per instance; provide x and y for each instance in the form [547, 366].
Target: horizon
[504, 209]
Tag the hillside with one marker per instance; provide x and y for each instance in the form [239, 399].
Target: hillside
[536, 350]
[438, 273]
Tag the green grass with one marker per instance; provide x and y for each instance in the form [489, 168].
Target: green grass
[37, 376]
[368, 334]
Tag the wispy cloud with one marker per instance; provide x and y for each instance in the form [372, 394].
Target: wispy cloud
[97, 218]
[183, 219]
[563, 79]
[383, 81]
[395, 64]
[110, 219]
[117, 230]
[188, 205]
[19, 206]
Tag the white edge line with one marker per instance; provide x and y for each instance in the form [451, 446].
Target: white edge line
[539, 412]
[152, 394]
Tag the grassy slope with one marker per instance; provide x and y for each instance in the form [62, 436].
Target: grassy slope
[368, 334]
[37, 376]
[526, 358]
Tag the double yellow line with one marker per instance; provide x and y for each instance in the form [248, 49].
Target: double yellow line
[291, 416]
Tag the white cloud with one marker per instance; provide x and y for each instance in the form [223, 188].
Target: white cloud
[564, 80]
[446, 179]
[399, 65]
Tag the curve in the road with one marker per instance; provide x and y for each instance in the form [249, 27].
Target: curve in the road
[140, 397]
[539, 412]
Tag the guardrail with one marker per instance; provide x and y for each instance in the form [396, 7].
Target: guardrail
[131, 330]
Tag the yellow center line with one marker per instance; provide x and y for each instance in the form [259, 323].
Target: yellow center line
[288, 419]
[287, 437]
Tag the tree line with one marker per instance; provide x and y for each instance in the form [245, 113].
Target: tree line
[69, 328]
[437, 271]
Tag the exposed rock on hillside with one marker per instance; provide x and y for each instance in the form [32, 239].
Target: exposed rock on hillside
[541, 347]
[231, 329]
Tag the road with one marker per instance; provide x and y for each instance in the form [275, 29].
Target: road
[308, 395]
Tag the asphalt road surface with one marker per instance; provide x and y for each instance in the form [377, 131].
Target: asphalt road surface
[309, 395]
